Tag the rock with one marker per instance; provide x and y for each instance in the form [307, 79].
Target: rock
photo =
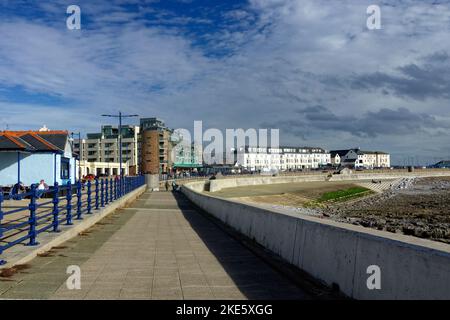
[345, 171]
[391, 229]
[408, 230]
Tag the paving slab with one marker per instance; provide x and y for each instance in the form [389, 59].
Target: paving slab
[159, 247]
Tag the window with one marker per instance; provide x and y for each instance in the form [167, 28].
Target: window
[65, 168]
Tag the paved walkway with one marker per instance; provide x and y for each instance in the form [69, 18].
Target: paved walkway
[157, 248]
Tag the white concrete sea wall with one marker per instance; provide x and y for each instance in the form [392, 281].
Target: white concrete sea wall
[337, 253]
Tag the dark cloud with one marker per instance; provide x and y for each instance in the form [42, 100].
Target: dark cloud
[385, 121]
[430, 79]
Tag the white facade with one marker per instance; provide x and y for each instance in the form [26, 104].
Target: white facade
[335, 159]
[288, 158]
[370, 160]
[102, 168]
[361, 159]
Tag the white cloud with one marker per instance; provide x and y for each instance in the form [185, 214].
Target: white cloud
[285, 55]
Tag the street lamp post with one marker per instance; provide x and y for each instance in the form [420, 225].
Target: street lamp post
[120, 116]
[79, 153]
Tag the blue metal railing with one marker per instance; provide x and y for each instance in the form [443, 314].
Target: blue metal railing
[48, 210]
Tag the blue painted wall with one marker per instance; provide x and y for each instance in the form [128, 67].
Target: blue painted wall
[36, 166]
[33, 168]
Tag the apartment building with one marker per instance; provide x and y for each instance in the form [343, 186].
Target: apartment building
[156, 145]
[104, 146]
[283, 158]
[374, 159]
[356, 158]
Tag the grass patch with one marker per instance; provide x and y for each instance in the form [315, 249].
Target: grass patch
[340, 195]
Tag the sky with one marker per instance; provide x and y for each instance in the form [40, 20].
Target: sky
[310, 68]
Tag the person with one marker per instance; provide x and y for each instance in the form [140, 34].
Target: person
[175, 187]
[17, 191]
[167, 185]
[42, 188]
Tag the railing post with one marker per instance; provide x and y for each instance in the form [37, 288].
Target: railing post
[69, 204]
[106, 191]
[89, 199]
[79, 212]
[56, 207]
[115, 188]
[111, 188]
[2, 262]
[32, 220]
[102, 196]
[97, 191]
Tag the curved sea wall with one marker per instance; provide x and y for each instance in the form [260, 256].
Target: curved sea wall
[337, 253]
[219, 184]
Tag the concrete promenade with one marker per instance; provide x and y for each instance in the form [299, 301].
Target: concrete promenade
[157, 248]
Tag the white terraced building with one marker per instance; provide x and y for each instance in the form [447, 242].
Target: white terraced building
[283, 158]
[356, 158]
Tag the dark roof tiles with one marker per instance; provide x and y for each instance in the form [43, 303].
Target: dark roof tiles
[31, 141]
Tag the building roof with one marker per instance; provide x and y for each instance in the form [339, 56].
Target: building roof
[12, 143]
[33, 141]
[286, 149]
[371, 152]
[341, 153]
[443, 163]
[358, 151]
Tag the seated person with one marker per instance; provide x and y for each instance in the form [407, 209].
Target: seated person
[17, 191]
[42, 188]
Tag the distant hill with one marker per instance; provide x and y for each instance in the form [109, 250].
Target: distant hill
[441, 164]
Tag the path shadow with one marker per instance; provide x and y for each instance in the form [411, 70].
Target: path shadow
[252, 275]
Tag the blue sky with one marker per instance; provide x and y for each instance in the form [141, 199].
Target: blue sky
[308, 67]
